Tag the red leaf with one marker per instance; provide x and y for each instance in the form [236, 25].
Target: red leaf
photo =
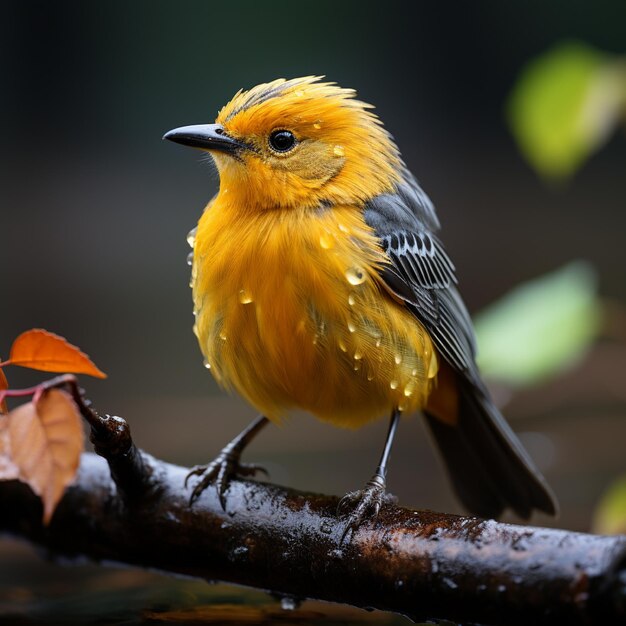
[46, 440]
[41, 350]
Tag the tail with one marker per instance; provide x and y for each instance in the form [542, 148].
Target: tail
[488, 467]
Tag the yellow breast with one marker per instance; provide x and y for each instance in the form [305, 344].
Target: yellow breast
[291, 313]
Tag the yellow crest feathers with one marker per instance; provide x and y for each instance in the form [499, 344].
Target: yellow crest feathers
[343, 154]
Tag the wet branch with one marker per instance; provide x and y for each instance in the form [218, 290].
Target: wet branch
[134, 509]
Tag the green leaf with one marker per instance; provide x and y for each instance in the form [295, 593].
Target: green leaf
[610, 515]
[565, 105]
[540, 328]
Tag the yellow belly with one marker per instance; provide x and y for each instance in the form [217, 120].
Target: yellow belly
[290, 312]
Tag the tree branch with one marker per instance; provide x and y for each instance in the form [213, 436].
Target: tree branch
[419, 563]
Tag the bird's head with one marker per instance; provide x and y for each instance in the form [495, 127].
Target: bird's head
[300, 142]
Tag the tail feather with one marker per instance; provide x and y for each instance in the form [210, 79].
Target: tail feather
[489, 468]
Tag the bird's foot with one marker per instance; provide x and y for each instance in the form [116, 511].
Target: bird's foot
[358, 506]
[221, 471]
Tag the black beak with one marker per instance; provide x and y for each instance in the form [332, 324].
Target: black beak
[206, 137]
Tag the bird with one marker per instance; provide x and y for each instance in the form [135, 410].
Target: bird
[320, 284]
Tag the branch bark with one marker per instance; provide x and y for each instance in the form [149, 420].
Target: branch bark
[134, 510]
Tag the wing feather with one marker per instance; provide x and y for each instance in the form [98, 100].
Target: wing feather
[421, 272]
[487, 465]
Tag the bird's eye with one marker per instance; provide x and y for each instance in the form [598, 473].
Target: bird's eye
[282, 140]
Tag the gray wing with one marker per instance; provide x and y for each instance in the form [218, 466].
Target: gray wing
[488, 467]
[421, 273]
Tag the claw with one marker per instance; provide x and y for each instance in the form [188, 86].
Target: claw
[221, 471]
[366, 502]
[251, 469]
[208, 474]
[197, 470]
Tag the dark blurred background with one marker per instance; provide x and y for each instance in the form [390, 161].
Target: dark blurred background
[94, 207]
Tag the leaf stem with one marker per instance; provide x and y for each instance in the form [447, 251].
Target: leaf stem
[18, 393]
[66, 380]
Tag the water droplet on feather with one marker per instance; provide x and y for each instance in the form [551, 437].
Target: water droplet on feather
[327, 241]
[409, 389]
[244, 296]
[355, 275]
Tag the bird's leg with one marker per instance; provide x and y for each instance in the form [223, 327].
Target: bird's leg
[226, 465]
[366, 502]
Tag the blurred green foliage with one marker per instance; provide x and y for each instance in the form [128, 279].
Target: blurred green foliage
[540, 328]
[610, 515]
[565, 105]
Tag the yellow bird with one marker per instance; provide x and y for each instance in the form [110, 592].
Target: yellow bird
[319, 284]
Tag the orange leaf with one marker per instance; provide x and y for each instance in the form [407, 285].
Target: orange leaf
[3, 385]
[46, 440]
[41, 350]
[8, 469]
